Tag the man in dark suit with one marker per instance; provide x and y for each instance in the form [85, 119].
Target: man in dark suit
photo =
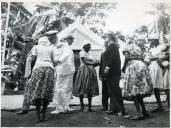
[105, 95]
[112, 72]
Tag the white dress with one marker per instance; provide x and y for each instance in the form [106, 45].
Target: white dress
[156, 72]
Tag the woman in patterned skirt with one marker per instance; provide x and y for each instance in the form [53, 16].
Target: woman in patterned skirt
[41, 84]
[137, 82]
[86, 84]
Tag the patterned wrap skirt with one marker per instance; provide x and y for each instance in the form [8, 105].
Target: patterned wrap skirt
[136, 80]
[86, 82]
[41, 85]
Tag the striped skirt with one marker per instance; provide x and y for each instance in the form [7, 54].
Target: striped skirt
[86, 82]
[41, 85]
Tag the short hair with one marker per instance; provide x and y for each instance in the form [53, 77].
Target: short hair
[111, 36]
[86, 45]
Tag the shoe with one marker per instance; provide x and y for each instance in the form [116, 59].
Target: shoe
[111, 112]
[90, 110]
[22, 112]
[145, 114]
[103, 109]
[126, 116]
[158, 110]
[69, 109]
[140, 117]
[55, 112]
[121, 114]
[58, 111]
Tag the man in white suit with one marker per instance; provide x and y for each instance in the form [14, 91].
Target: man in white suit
[65, 69]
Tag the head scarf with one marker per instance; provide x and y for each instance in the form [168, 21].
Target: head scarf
[43, 41]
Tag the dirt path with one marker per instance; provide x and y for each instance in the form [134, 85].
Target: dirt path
[85, 119]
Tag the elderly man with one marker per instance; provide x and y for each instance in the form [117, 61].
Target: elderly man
[65, 69]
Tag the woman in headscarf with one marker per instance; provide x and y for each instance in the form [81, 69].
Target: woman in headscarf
[86, 85]
[137, 82]
[159, 69]
[41, 84]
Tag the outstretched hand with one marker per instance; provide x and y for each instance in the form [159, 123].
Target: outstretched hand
[56, 62]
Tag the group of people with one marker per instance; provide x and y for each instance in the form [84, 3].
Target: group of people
[50, 69]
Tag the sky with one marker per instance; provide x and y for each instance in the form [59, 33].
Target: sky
[129, 16]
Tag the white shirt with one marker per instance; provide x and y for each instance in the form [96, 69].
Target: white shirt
[44, 54]
[65, 56]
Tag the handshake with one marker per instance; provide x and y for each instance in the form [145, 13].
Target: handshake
[96, 63]
[56, 62]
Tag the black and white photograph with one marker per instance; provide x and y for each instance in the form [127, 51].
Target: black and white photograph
[85, 63]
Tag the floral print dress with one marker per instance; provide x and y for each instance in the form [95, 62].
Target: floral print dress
[136, 79]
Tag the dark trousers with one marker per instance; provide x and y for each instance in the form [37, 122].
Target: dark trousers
[74, 77]
[116, 100]
[105, 95]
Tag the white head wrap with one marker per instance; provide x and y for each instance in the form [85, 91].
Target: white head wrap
[43, 41]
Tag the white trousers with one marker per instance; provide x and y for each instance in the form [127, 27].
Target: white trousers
[63, 91]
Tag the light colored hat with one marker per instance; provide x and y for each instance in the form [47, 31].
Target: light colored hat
[68, 36]
[52, 32]
[43, 41]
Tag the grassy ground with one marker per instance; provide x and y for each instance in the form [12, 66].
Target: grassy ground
[9, 91]
[85, 119]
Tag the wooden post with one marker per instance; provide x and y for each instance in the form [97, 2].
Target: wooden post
[4, 47]
[5, 38]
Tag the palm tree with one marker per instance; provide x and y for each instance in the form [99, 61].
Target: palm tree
[162, 17]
